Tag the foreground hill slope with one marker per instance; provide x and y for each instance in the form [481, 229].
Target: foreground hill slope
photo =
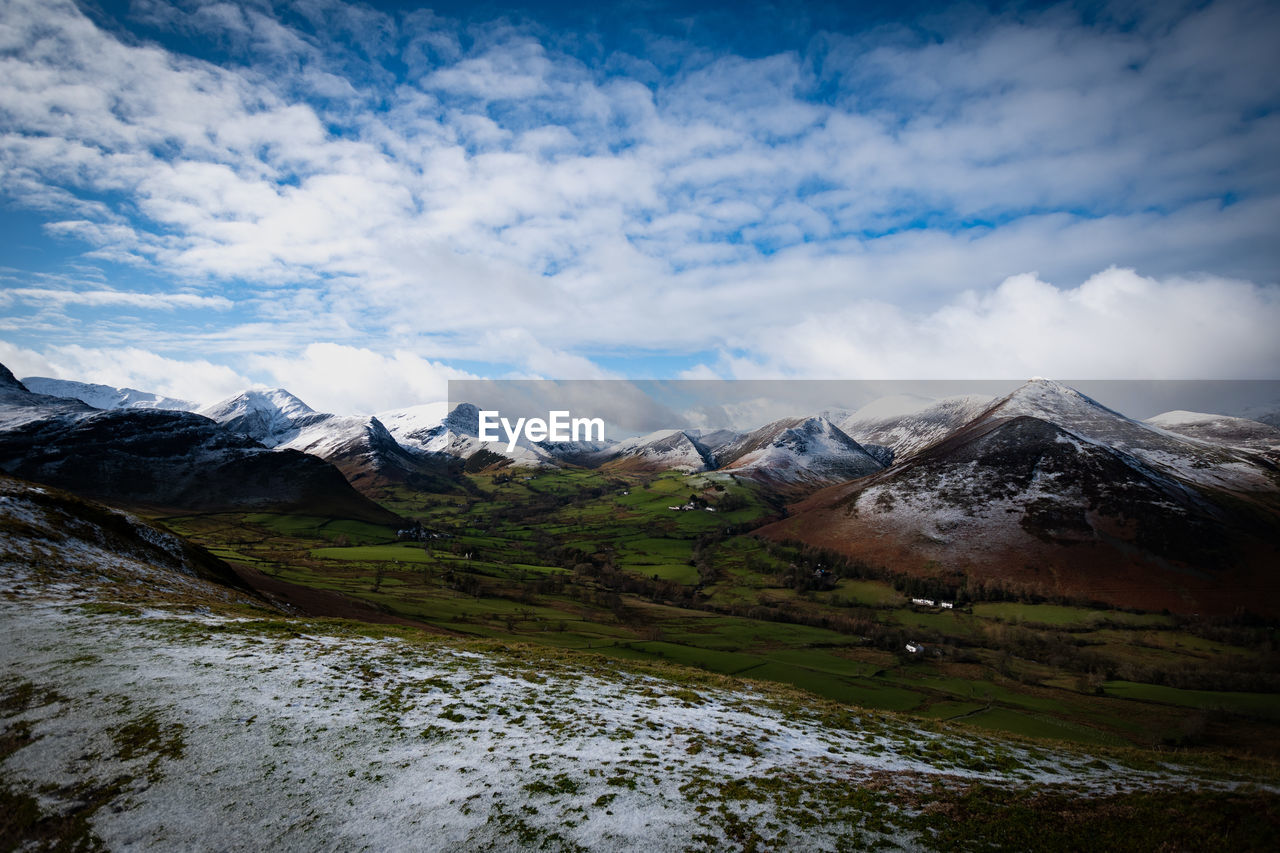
[53, 537]
[155, 709]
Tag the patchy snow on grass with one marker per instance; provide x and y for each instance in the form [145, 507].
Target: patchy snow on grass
[155, 710]
[230, 732]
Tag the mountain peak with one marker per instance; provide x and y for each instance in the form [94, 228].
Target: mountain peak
[1050, 400]
[795, 449]
[264, 415]
[268, 399]
[283, 400]
[1043, 384]
[665, 449]
[8, 380]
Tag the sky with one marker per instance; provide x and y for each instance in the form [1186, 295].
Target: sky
[359, 202]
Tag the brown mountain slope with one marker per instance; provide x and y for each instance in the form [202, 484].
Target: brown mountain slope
[1021, 503]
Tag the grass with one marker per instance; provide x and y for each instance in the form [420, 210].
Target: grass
[525, 582]
[1038, 726]
[1265, 705]
[950, 624]
[407, 552]
[949, 710]
[986, 817]
[869, 593]
[702, 658]
[1061, 616]
[311, 526]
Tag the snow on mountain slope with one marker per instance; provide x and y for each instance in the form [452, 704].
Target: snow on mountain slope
[18, 405]
[457, 435]
[713, 440]
[328, 435]
[402, 423]
[663, 450]
[105, 396]
[363, 450]
[265, 416]
[1219, 429]
[81, 546]
[1024, 503]
[175, 459]
[798, 450]
[908, 423]
[1188, 458]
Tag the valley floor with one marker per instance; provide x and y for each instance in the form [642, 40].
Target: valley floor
[140, 721]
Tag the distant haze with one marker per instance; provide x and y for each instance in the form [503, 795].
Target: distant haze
[633, 407]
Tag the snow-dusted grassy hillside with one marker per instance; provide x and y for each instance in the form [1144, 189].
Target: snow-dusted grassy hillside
[147, 708]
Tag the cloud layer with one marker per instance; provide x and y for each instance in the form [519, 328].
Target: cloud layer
[280, 188]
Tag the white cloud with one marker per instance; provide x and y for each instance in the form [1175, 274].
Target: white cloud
[58, 298]
[197, 380]
[1115, 325]
[509, 202]
[353, 380]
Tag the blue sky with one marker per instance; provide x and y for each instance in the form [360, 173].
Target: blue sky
[359, 202]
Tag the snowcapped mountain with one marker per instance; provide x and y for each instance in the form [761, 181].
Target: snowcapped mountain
[403, 423]
[265, 416]
[797, 451]
[1060, 404]
[326, 435]
[1196, 461]
[458, 435]
[175, 459]
[1034, 495]
[425, 427]
[664, 450]
[18, 405]
[363, 450]
[1219, 429]
[713, 440]
[105, 396]
[906, 424]
[361, 447]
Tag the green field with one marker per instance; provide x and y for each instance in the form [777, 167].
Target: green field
[1037, 726]
[1266, 705]
[596, 561]
[401, 552]
[1057, 615]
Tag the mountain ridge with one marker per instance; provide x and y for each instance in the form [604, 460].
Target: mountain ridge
[1024, 499]
[105, 396]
